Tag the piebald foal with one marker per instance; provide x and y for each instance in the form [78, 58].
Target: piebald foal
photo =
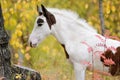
[83, 46]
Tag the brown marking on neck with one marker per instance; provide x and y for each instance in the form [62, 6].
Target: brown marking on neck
[115, 68]
[67, 56]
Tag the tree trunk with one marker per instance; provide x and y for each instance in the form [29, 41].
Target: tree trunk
[7, 71]
[5, 68]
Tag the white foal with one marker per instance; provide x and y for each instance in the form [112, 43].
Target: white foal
[82, 44]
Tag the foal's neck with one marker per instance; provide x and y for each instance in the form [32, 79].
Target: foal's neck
[68, 29]
[57, 35]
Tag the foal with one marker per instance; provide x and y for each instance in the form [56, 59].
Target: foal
[83, 46]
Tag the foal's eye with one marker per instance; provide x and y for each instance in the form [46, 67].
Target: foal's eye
[40, 22]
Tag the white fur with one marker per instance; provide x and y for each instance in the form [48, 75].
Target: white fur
[72, 31]
[39, 33]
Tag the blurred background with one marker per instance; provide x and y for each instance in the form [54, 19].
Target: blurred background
[49, 58]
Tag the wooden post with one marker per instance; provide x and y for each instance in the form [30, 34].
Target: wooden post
[8, 71]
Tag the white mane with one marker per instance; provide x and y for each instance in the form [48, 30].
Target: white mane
[74, 16]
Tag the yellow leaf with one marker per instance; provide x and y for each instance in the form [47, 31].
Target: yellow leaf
[11, 10]
[86, 6]
[18, 6]
[17, 44]
[20, 46]
[108, 8]
[16, 55]
[113, 9]
[90, 22]
[108, 11]
[18, 33]
[7, 15]
[18, 76]
[27, 56]
[19, 26]
[22, 51]
[12, 22]
[23, 27]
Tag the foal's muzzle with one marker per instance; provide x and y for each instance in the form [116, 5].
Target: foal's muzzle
[33, 45]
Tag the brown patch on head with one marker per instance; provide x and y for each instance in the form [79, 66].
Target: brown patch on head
[67, 56]
[115, 68]
[49, 16]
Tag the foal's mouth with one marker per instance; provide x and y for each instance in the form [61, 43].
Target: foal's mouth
[33, 45]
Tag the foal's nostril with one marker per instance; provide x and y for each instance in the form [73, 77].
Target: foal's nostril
[30, 44]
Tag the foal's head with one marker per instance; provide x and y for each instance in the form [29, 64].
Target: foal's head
[42, 26]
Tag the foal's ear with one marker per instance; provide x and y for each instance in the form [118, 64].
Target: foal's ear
[39, 10]
[49, 16]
